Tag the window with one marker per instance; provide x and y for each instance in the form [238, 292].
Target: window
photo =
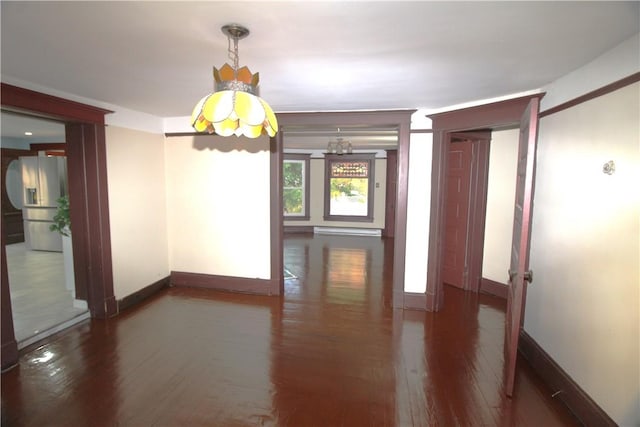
[295, 192]
[349, 187]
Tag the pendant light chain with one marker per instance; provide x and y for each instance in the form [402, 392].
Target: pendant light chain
[233, 54]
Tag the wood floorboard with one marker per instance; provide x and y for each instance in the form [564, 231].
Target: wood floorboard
[332, 352]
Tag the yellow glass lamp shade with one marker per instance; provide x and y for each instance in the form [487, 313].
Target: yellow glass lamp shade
[233, 112]
[235, 107]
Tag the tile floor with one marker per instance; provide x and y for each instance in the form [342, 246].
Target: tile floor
[40, 302]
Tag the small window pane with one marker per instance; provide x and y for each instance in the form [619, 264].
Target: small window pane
[349, 196]
[293, 174]
[349, 169]
[295, 187]
[292, 198]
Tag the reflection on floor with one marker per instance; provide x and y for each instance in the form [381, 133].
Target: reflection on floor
[40, 302]
[331, 352]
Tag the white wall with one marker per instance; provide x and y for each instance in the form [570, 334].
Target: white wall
[137, 208]
[611, 66]
[218, 205]
[503, 159]
[583, 305]
[418, 212]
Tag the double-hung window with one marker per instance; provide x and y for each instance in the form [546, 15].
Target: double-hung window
[295, 192]
[349, 187]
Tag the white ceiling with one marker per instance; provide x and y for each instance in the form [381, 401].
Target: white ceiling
[157, 57]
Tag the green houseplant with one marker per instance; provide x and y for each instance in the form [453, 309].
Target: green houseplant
[62, 219]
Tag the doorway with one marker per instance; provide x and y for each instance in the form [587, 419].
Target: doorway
[39, 259]
[499, 115]
[465, 201]
[86, 154]
[400, 121]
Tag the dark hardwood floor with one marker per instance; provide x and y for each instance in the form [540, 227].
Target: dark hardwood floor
[332, 352]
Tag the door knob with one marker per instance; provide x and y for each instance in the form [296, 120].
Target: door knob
[528, 275]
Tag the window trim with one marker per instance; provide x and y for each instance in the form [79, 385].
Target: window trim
[329, 158]
[305, 158]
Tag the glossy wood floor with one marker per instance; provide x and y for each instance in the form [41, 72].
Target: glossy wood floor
[331, 353]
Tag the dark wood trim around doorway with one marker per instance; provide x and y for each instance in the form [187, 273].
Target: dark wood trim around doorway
[390, 194]
[9, 350]
[33, 103]
[489, 116]
[276, 157]
[87, 170]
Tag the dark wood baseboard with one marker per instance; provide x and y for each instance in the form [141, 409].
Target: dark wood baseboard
[299, 229]
[142, 294]
[563, 386]
[494, 288]
[224, 283]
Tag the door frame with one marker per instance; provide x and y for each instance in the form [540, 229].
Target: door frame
[492, 116]
[87, 169]
[401, 119]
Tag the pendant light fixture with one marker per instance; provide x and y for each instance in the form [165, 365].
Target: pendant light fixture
[339, 146]
[234, 108]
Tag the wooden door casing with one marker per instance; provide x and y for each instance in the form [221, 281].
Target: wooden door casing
[85, 137]
[521, 241]
[390, 194]
[497, 115]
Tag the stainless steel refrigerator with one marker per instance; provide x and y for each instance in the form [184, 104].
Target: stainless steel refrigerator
[44, 181]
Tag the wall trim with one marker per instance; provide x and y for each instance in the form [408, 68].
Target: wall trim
[222, 283]
[612, 87]
[142, 294]
[276, 227]
[348, 231]
[563, 386]
[19, 99]
[494, 288]
[290, 229]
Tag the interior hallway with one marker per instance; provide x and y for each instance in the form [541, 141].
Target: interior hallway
[331, 353]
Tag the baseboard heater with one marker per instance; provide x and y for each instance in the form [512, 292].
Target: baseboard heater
[348, 231]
